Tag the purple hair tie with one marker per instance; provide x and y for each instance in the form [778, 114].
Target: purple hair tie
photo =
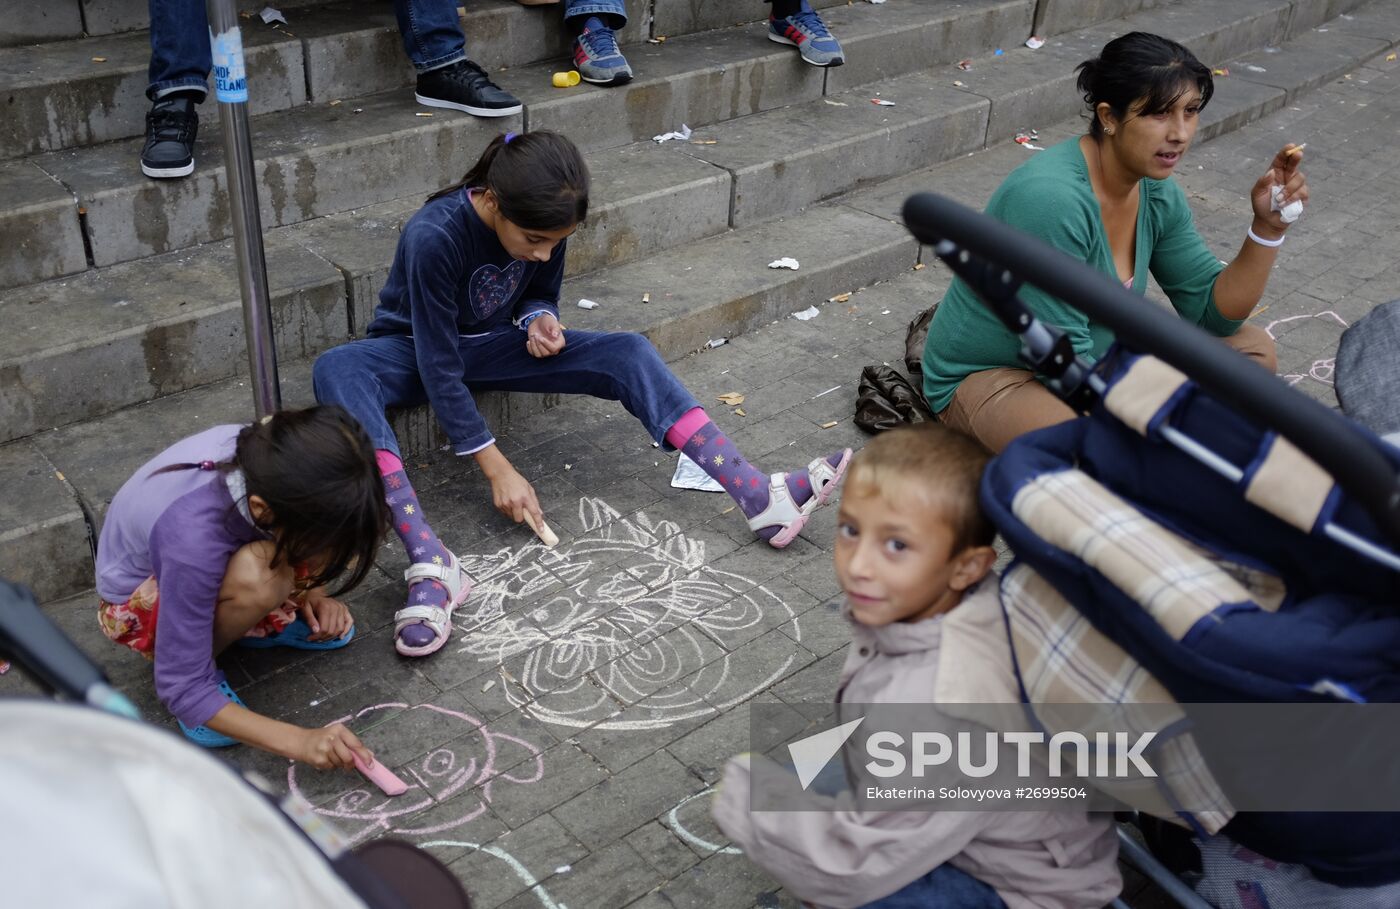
[510, 136]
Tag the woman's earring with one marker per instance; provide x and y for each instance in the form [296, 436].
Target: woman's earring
[1108, 130]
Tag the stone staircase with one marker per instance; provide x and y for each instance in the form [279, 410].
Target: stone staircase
[125, 327]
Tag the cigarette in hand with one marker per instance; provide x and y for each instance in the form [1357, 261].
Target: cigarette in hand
[1296, 150]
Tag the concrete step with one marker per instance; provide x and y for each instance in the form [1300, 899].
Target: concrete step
[171, 322]
[136, 332]
[73, 93]
[29, 23]
[321, 159]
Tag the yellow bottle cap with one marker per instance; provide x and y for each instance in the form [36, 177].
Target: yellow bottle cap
[566, 80]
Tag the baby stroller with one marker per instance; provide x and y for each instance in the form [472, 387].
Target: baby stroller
[101, 810]
[1204, 534]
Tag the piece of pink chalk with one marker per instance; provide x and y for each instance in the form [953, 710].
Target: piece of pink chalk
[380, 776]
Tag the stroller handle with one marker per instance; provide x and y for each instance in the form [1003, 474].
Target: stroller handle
[1348, 454]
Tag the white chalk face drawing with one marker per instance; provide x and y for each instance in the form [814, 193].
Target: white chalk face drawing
[464, 773]
[623, 611]
[1321, 370]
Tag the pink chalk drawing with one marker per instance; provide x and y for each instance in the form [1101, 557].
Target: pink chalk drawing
[640, 615]
[1320, 370]
[468, 762]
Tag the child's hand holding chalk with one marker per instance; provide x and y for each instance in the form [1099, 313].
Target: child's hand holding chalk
[541, 529]
[381, 776]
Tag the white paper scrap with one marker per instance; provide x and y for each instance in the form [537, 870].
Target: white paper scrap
[587, 304]
[271, 14]
[690, 475]
[682, 134]
[784, 262]
[807, 314]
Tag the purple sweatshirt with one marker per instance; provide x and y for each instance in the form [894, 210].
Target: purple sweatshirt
[182, 528]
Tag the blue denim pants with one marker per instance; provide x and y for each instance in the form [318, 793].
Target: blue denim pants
[945, 887]
[431, 32]
[369, 375]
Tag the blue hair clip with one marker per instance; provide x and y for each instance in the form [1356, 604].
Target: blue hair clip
[510, 136]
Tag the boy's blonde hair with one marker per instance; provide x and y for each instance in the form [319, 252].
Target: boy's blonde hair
[946, 464]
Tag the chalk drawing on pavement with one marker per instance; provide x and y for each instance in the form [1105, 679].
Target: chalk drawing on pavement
[492, 849]
[625, 610]
[1320, 370]
[679, 828]
[472, 764]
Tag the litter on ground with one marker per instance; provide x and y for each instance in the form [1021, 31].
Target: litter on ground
[732, 398]
[807, 314]
[683, 134]
[882, 102]
[271, 14]
[829, 424]
[964, 65]
[784, 262]
[1035, 42]
[836, 103]
[587, 304]
[840, 298]
[717, 342]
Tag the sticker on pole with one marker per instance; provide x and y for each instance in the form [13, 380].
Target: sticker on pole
[230, 78]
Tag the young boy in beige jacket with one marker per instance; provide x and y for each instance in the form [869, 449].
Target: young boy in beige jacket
[913, 556]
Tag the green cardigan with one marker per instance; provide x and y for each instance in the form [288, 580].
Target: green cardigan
[1049, 197]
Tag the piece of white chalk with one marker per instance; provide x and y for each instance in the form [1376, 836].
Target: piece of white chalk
[380, 776]
[547, 536]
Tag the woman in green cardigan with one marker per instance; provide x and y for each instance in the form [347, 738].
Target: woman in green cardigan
[1107, 198]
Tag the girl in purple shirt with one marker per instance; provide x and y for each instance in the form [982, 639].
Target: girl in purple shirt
[222, 539]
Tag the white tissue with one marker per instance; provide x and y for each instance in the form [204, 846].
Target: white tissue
[1290, 212]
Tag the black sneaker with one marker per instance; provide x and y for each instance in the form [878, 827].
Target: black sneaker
[464, 86]
[171, 124]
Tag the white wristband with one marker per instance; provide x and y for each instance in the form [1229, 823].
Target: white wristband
[1272, 244]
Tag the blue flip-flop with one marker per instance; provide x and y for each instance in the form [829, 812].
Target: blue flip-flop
[206, 737]
[296, 635]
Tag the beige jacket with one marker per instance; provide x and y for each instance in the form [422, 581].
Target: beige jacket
[842, 857]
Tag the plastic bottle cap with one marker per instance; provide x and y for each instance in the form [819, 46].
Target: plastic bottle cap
[566, 80]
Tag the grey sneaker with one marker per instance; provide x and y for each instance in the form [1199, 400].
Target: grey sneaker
[806, 31]
[597, 57]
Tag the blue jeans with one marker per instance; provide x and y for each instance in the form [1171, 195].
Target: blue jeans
[369, 375]
[945, 887]
[180, 55]
[612, 11]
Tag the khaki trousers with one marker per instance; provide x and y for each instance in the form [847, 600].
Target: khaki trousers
[997, 405]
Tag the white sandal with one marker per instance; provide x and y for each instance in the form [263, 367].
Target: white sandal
[782, 511]
[438, 618]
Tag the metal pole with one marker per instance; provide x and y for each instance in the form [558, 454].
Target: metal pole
[231, 89]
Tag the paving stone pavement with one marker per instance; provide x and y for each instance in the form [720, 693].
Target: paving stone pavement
[562, 746]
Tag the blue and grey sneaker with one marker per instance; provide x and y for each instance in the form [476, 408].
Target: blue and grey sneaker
[597, 57]
[806, 31]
